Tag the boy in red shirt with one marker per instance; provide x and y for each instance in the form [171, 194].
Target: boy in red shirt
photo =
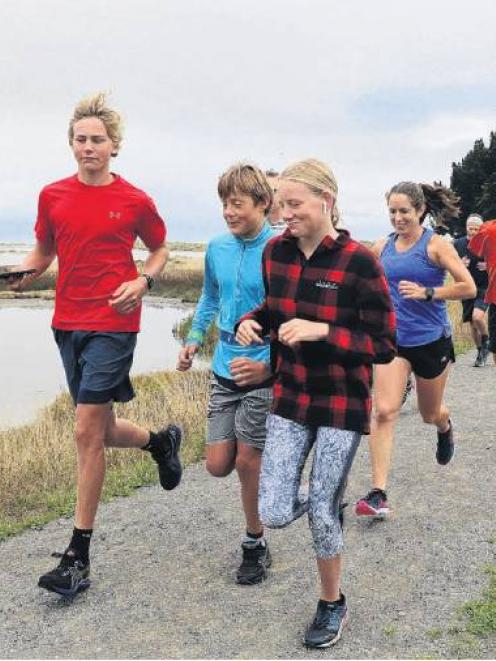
[90, 222]
[483, 244]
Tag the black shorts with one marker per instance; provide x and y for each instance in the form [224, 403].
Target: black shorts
[429, 360]
[469, 304]
[491, 325]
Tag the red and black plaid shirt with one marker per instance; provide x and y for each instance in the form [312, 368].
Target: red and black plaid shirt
[326, 383]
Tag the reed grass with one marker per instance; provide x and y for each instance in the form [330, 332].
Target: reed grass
[181, 279]
[38, 461]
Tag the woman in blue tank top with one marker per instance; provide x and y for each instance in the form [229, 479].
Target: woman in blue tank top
[415, 261]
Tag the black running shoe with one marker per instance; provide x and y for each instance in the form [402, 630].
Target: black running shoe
[166, 454]
[256, 561]
[68, 578]
[484, 353]
[327, 624]
[445, 446]
[479, 361]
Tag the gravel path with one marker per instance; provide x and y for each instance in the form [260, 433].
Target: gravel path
[163, 563]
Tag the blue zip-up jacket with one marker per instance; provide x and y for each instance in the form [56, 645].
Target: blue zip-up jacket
[232, 286]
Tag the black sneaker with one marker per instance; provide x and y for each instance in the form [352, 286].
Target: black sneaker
[445, 446]
[256, 561]
[166, 454]
[68, 578]
[484, 353]
[479, 361]
[328, 623]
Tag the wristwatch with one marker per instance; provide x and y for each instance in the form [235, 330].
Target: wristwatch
[149, 280]
[429, 294]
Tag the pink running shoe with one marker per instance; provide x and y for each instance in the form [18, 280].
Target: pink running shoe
[374, 505]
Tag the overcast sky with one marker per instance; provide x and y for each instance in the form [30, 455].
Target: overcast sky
[382, 91]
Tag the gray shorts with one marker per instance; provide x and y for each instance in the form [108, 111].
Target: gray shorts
[238, 415]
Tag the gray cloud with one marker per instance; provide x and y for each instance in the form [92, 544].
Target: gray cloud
[203, 84]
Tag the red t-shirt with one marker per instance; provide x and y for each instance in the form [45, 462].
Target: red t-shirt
[483, 244]
[93, 230]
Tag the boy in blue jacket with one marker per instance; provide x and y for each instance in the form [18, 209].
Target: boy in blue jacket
[241, 383]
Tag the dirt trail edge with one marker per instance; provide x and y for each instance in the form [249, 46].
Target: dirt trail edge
[163, 563]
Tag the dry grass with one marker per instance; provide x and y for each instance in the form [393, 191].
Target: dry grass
[462, 338]
[38, 461]
[182, 279]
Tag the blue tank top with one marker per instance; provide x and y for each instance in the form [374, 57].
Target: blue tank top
[418, 322]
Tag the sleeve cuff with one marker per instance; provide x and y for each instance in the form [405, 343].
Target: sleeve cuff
[194, 336]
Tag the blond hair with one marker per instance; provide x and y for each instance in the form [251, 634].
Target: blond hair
[246, 179]
[96, 106]
[318, 177]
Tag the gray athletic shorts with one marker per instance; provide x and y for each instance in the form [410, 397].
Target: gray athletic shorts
[236, 415]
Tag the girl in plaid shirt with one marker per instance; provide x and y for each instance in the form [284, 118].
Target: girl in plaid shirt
[330, 317]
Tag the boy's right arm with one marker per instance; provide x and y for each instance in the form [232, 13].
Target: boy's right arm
[205, 313]
[40, 259]
[185, 358]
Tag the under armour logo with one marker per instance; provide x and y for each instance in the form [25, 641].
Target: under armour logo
[444, 359]
[114, 214]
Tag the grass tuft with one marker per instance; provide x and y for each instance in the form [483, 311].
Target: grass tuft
[482, 612]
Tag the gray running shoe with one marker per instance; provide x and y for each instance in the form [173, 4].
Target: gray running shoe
[328, 623]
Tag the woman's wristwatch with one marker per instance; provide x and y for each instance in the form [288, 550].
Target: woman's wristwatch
[429, 294]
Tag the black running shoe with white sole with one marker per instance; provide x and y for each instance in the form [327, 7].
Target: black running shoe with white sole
[69, 577]
[256, 561]
[445, 445]
[166, 454]
[328, 623]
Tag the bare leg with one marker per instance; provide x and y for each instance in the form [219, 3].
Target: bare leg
[92, 421]
[479, 325]
[430, 394]
[330, 577]
[124, 434]
[476, 336]
[248, 463]
[221, 458]
[389, 386]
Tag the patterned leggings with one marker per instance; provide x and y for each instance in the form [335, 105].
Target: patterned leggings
[281, 501]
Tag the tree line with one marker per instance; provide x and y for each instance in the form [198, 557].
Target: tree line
[474, 179]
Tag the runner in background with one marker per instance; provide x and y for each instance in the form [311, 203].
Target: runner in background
[474, 309]
[90, 221]
[483, 244]
[275, 215]
[415, 260]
